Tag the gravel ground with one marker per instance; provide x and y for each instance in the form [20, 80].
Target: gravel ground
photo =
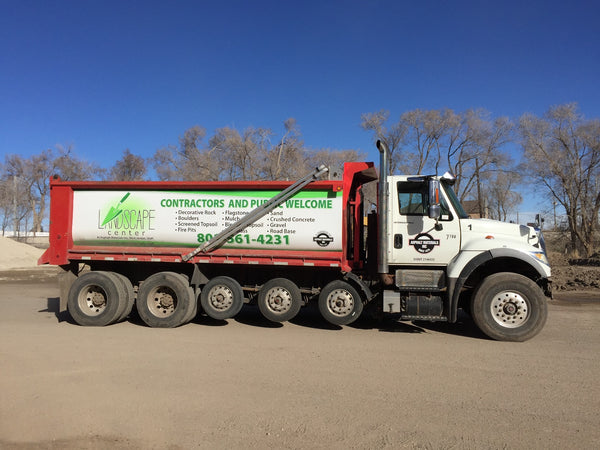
[248, 383]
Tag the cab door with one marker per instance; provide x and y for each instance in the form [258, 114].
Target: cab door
[415, 239]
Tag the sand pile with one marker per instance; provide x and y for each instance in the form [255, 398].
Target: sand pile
[16, 255]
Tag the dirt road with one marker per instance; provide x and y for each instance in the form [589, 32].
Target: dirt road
[247, 383]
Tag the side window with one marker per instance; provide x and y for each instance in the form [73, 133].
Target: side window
[413, 199]
[446, 214]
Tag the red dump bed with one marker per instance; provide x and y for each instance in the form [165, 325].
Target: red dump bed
[163, 221]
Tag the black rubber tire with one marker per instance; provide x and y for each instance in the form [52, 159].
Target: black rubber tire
[340, 303]
[509, 307]
[165, 300]
[126, 303]
[95, 299]
[194, 309]
[222, 298]
[279, 300]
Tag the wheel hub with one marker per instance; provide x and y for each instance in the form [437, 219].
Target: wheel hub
[279, 299]
[92, 300]
[509, 309]
[221, 298]
[97, 299]
[340, 302]
[165, 302]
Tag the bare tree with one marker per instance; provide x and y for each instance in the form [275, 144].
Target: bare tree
[13, 210]
[32, 175]
[393, 135]
[190, 160]
[69, 167]
[334, 159]
[34, 172]
[129, 168]
[5, 200]
[287, 159]
[242, 155]
[425, 132]
[469, 144]
[499, 191]
[475, 148]
[562, 153]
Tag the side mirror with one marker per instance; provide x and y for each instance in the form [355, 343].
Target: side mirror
[435, 209]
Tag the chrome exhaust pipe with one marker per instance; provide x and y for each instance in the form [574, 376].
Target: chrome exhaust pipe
[383, 194]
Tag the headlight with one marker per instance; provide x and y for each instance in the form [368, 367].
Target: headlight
[541, 257]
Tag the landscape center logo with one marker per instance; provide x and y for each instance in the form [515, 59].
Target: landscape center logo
[126, 217]
[424, 243]
[115, 211]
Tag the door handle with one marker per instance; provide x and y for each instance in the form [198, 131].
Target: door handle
[397, 241]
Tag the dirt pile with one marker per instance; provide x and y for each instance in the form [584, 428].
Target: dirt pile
[593, 260]
[570, 275]
[16, 255]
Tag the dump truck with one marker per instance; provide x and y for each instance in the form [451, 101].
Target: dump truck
[174, 249]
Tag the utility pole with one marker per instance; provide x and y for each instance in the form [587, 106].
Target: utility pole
[479, 200]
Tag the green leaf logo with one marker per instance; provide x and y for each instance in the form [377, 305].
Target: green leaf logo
[115, 211]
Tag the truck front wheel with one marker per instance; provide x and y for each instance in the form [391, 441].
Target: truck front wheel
[165, 300]
[222, 298]
[340, 303]
[95, 299]
[509, 307]
[279, 300]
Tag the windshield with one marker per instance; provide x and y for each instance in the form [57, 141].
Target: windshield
[455, 202]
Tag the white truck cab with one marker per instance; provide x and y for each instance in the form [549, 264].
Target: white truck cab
[436, 260]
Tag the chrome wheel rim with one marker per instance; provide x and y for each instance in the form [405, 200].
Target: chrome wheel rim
[509, 309]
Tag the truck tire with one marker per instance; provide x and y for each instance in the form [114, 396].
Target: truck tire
[222, 298]
[340, 303]
[165, 300]
[126, 303]
[96, 298]
[509, 307]
[279, 300]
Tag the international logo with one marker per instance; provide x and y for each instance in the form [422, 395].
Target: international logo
[323, 238]
[424, 243]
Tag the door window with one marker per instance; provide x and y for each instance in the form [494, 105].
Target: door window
[413, 200]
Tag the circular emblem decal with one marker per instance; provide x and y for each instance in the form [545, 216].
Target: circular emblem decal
[323, 238]
[424, 243]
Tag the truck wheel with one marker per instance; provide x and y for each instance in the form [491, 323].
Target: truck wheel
[509, 307]
[279, 300]
[165, 300]
[340, 303]
[95, 299]
[222, 298]
[126, 303]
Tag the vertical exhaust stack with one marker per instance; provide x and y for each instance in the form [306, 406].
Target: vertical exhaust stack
[382, 200]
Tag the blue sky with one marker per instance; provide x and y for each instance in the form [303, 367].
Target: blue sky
[110, 75]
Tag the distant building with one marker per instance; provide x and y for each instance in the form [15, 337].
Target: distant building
[472, 208]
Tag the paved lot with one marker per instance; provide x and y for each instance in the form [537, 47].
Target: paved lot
[246, 383]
